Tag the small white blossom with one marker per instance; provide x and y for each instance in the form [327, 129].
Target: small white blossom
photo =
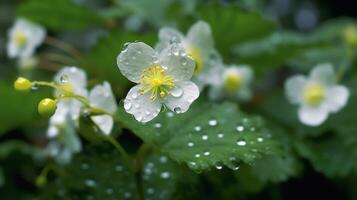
[231, 81]
[24, 38]
[163, 79]
[101, 97]
[62, 125]
[317, 95]
[198, 44]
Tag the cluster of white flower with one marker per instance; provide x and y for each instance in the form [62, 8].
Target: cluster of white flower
[73, 81]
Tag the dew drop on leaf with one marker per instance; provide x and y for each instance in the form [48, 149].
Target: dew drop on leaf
[241, 142]
[157, 125]
[198, 128]
[240, 128]
[220, 135]
[204, 137]
[165, 175]
[89, 182]
[190, 144]
[212, 122]
[207, 153]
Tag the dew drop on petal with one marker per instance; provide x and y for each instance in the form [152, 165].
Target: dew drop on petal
[177, 110]
[177, 92]
[137, 106]
[127, 105]
[134, 95]
[64, 79]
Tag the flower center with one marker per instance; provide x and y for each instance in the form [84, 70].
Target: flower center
[232, 81]
[20, 38]
[195, 53]
[313, 94]
[155, 80]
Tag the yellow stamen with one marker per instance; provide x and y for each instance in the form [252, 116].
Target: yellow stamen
[232, 81]
[20, 38]
[156, 81]
[313, 94]
[196, 55]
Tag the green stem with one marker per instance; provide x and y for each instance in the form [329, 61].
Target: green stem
[345, 64]
[65, 47]
[121, 150]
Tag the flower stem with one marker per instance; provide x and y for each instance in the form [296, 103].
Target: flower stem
[65, 47]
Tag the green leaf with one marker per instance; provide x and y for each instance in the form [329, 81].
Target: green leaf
[207, 135]
[19, 108]
[58, 14]
[232, 26]
[99, 173]
[101, 61]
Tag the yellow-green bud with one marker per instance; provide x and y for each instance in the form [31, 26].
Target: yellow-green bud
[41, 181]
[350, 35]
[22, 84]
[47, 107]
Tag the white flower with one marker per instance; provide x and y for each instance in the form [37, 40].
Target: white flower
[62, 125]
[163, 78]
[24, 38]
[231, 81]
[101, 96]
[198, 44]
[317, 95]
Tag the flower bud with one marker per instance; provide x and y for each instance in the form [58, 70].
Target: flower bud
[41, 181]
[22, 84]
[350, 36]
[47, 107]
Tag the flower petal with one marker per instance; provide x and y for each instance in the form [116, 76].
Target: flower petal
[104, 122]
[134, 59]
[337, 98]
[75, 76]
[294, 88]
[140, 105]
[167, 36]
[324, 73]
[182, 96]
[101, 96]
[176, 63]
[312, 116]
[200, 36]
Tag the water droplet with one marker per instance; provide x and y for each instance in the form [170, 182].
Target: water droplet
[170, 114]
[198, 128]
[34, 86]
[240, 128]
[90, 183]
[165, 175]
[125, 47]
[163, 159]
[220, 135]
[212, 122]
[204, 137]
[85, 166]
[127, 105]
[219, 165]
[197, 155]
[157, 125]
[207, 153]
[241, 142]
[147, 113]
[190, 144]
[164, 67]
[177, 92]
[137, 106]
[118, 168]
[177, 110]
[252, 129]
[150, 191]
[134, 95]
[192, 164]
[260, 139]
[64, 79]
[139, 118]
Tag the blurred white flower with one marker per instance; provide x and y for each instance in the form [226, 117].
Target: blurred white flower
[317, 95]
[232, 81]
[62, 125]
[163, 79]
[101, 97]
[198, 44]
[24, 38]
